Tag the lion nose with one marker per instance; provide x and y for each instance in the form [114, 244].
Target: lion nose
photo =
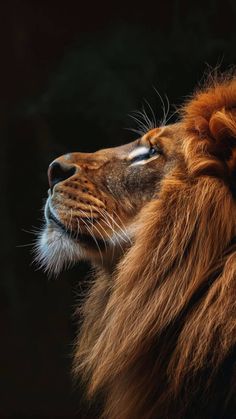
[58, 171]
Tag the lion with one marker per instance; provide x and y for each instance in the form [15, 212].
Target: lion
[156, 218]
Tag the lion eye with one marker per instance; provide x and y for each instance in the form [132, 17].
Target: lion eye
[152, 151]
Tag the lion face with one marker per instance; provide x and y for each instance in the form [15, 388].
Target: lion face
[94, 198]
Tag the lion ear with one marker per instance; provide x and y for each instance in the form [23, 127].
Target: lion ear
[211, 116]
[222, 126]
[222, 134]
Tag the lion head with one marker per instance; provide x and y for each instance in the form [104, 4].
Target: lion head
[158, 216]
[95, 198]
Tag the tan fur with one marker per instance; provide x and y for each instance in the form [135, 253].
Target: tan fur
[157, 333]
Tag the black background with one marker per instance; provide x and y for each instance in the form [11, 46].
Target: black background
[70, 73]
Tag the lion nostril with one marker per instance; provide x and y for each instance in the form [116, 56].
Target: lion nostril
[57, 172]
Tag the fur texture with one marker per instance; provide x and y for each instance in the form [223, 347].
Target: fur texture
[158, 334]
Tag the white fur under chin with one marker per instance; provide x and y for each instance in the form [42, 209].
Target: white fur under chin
[55, 250]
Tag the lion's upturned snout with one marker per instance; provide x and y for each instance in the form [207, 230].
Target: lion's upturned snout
[59, 171]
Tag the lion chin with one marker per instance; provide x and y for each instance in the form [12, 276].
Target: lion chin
[158, 216]
[56, 251]
[58, 247]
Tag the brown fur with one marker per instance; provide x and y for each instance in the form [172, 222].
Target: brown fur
[158, 335]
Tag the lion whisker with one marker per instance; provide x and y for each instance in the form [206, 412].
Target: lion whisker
[165, 111]
[94, 238]
[124, 231]
[136, 131]
[93, 226]
[152, 113]
[115, 233]
[141, 125]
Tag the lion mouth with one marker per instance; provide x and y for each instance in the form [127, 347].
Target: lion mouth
[51, 217]
[82, 238]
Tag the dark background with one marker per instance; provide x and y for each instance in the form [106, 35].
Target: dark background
[70, 73]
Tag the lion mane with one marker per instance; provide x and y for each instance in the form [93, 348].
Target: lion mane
[158, 337]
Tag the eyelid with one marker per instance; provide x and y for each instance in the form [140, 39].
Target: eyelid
[157, 147]
[140, 157]
[141, 150]
[146, 154]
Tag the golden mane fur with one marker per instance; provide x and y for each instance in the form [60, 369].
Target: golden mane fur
[158, 337]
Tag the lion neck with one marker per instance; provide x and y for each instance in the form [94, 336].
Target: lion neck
[148, 304]
[108, 263]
